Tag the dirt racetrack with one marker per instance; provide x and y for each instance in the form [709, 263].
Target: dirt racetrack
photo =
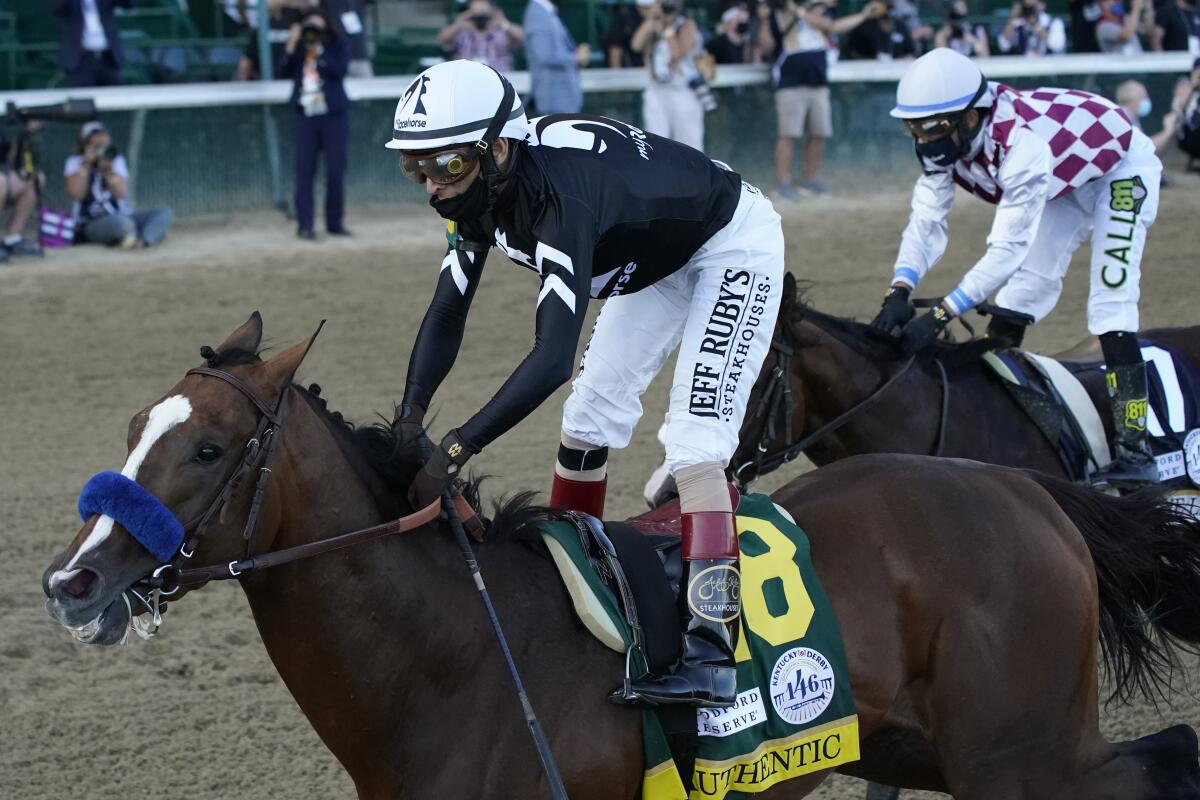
[88, 337]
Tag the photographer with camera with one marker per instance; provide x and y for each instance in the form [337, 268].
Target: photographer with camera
[797, 34]
[98, 180]
[482, 33]
[1030, 31]
[678, 94]
[958, 34]
[317, 61]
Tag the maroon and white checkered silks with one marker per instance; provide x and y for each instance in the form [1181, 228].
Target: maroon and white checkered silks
[1088, 136]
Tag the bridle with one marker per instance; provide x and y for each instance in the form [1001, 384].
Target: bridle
[777, 402]
[168, 578]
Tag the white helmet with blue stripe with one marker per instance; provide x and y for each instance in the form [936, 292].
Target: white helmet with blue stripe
[939, 82]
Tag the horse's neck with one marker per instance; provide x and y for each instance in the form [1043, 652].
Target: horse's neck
[835, 378]
[384, 646]
[347, 629]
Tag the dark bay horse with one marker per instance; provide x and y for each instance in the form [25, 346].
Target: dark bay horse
[837, 365]
[972, 600]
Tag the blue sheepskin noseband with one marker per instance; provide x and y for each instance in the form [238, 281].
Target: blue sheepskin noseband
[138, 511]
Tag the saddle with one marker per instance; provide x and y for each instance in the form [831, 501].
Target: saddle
[1050, 392]
[623, 579]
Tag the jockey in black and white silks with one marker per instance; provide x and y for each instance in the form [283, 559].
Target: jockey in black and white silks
[686, 255]
[1060, 165]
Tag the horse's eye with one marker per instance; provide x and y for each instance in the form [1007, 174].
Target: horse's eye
[208, 453]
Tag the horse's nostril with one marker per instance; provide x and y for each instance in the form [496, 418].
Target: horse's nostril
[80, 583]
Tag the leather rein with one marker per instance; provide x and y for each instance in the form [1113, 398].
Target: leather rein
[777, 401]
[168, 578]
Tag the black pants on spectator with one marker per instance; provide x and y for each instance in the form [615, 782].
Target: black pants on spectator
[328, 134]
[95, 69]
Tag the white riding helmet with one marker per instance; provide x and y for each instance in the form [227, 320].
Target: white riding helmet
[454, 103]
[939, 82]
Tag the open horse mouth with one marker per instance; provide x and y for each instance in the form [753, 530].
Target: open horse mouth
[88, 622]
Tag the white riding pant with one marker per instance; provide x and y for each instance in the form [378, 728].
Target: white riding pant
[1116, 209]
[719, 310]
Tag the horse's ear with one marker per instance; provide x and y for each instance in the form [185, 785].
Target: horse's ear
[247, 337]
[280, 368]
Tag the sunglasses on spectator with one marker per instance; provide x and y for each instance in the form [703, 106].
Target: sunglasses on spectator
[441, 168]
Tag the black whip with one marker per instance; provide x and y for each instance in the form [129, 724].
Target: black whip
[557, 789]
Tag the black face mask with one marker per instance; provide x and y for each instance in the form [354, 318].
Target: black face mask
[471, 204]
[941, 152]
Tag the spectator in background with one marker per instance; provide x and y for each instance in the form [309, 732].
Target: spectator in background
[89, 48]
[798, 37]
[733, 42]
[1030, 31]
[349, 17]
[554, 60]
[21, 194]
[882, 38]
[908, 21]
[1117, 31]
[1084, 16]
[482, 33]
[1185, 106]
[316, 62]
[677, 96]
[18, 190]
[98, 181]
[1134, 100]
[283, 14]
[960, 35]
[1177, 26]
[626, 17]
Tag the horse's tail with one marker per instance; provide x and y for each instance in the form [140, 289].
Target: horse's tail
[1147, 555]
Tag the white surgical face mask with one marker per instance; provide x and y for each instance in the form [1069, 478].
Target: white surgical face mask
[1144, 107]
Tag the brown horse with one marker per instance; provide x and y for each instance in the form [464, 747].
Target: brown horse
[838, 369]
[972, 599]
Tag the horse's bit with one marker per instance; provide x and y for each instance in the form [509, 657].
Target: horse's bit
[777, 401]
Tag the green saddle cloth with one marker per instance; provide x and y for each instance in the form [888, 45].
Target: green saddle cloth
[795, 710]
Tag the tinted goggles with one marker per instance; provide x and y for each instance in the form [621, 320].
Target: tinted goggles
[930, 128]
[441, 168]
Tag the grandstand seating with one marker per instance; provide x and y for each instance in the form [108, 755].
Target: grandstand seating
[168, 44]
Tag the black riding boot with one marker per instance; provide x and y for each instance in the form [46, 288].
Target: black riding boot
[1008, 329]
[1125, 373]
[706, 673]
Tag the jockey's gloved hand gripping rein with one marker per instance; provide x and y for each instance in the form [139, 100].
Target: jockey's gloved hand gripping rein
[439, 471]
[410, 429]
[896, 311]
[921, 334]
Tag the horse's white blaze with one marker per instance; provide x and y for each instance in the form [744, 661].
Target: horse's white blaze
[164, 416]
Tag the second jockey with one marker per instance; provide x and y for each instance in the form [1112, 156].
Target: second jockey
[1060, 165]
[687, 256]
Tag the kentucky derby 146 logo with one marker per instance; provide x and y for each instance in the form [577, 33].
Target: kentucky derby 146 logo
[1127, 195]
[1191, 456]
[716, 593]
[802, 685]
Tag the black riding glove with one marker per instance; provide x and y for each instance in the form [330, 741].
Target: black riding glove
[896, 311]
[439, 471]
[410, 430]
[922, 332]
